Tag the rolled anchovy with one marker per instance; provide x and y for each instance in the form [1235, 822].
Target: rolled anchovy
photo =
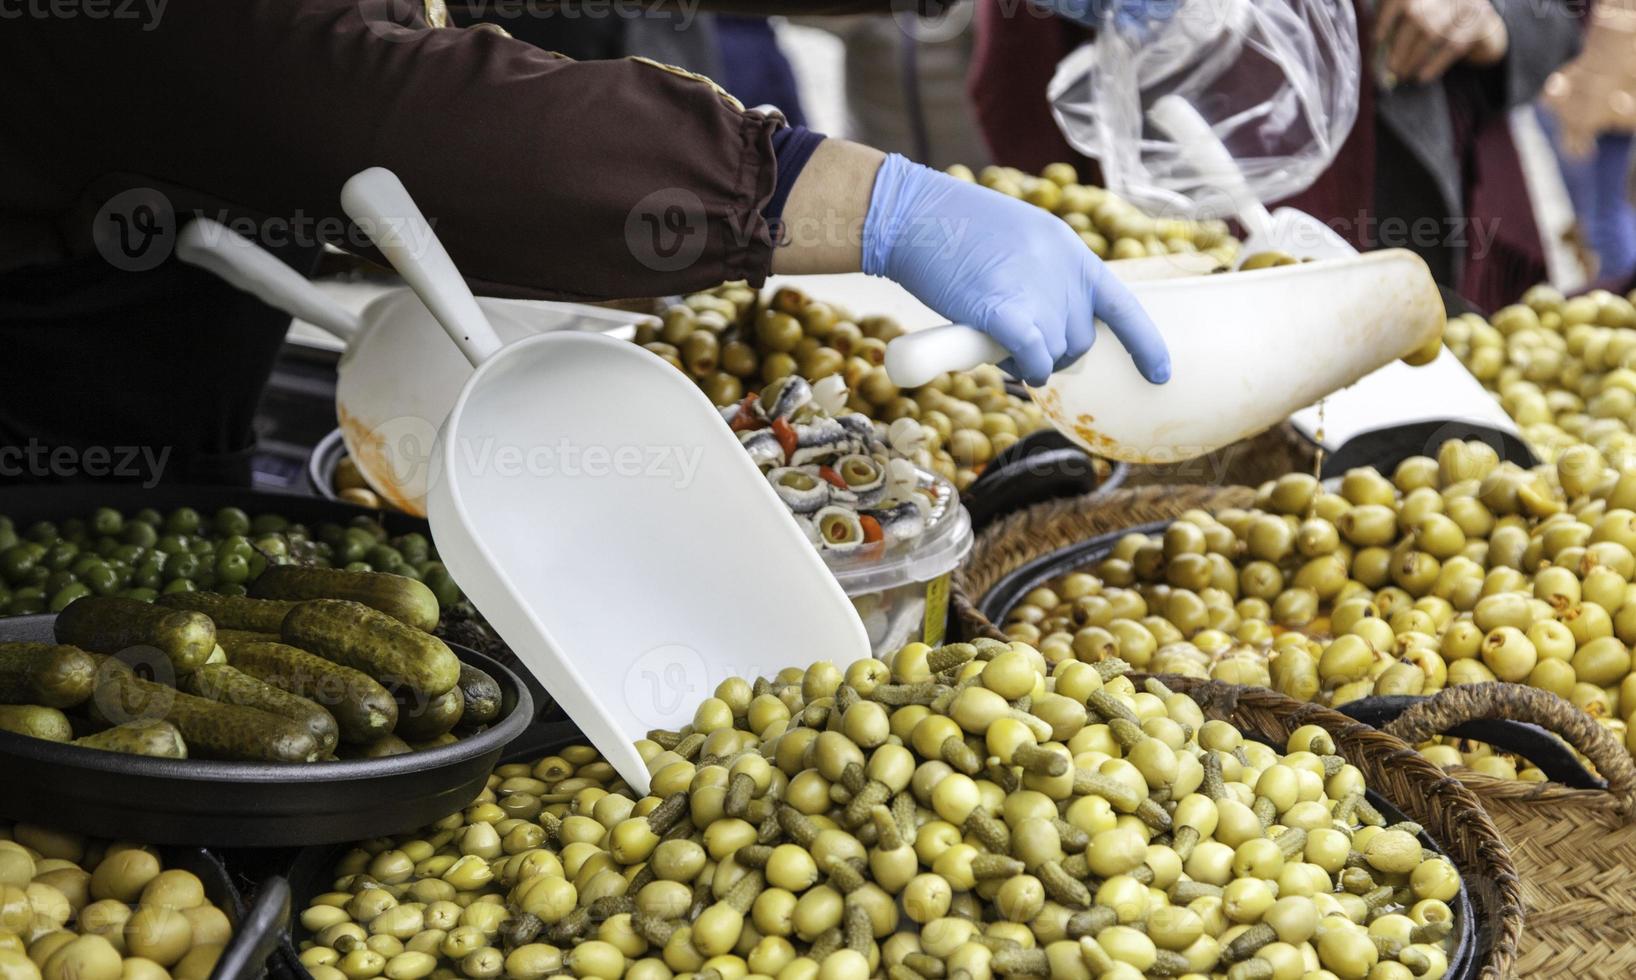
[763, 447]
[802, 493]
[729, 413]
[859, 426]
[902, 520]
[819, 439]
[864, 476]
[780, 399]
[839, 529]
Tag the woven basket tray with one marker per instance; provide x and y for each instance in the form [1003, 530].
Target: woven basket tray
[1443, 805]
[1574, 848]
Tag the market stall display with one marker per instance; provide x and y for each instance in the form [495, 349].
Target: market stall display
[831, 823]
[1560, 367]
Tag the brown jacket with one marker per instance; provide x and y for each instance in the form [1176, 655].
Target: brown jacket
[545, 177]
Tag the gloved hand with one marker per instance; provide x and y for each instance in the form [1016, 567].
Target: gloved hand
[1009, 269]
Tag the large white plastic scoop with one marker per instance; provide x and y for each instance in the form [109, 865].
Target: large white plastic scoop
[1394, 395]
[399, 374]
[1246, 350]
[592, 504]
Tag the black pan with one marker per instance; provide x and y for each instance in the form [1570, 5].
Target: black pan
[258, 925]
[249, 804]
[1041, 466]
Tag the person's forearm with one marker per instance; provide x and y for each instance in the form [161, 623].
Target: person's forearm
[544, 177]
[822, 227]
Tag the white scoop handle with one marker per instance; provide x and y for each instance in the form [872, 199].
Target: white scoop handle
[377, 200]
[913, 359]
[243, 264]
[1204, 150]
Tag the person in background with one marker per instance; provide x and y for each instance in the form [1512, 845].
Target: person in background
[1429, 166]
[1589, 109]
[545, 177]
[754, 68]
[906, 85]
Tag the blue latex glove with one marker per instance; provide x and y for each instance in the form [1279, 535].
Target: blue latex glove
[1133, 17]
[1013, 271]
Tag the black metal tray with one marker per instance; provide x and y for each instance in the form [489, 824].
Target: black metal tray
[258, 924]
[249, 804]
[1041, 466]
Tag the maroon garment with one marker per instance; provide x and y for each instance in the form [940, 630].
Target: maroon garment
[1496, 197]
[1016, 53]
[544, 176]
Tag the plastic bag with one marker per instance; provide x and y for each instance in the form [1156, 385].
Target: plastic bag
[1277, 80]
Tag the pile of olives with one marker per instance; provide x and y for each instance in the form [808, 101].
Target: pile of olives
[731, 345]
[970, 809]
[1456, 570]
[126, 918]
[46, 565]
[1111, 226]
[1564, 369]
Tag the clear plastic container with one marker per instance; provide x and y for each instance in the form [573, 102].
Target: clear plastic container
[902, 595]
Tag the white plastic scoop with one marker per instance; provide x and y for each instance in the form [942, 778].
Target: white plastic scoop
[1394, 395]
[592, 504]
[1246, 350]
[399, 374]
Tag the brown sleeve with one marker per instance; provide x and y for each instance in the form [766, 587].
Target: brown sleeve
[544, 177]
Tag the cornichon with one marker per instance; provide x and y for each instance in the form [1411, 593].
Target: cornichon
[363, 709]
[160, 739]
[212, 729]
[420, 718]
[111, 624]
[404, 599]
[482, 696]
[36, 721]
[357, 636]
[45, 674]
[234, 640]
[220, 682]
[379, 749]
[231, 612]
